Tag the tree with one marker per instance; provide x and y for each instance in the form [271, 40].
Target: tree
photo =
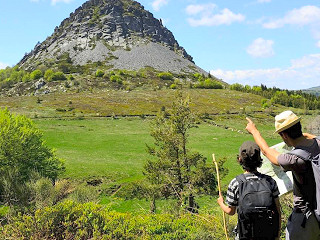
[23, 154]
[176, 171]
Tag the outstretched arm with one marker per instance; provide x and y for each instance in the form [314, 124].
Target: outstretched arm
[230, 210]
[270, 153]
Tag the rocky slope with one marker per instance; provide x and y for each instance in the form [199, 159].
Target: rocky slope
[118, 33]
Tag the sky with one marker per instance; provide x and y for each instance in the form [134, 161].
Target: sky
[251, 42]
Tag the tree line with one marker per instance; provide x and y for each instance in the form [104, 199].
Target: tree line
[288, 98]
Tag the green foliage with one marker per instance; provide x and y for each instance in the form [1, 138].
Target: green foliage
[99, 73]
[48, 75]
[297, 99]
[58, 76]
[173, 86]
[84, 194]
[36, 74]
[23, 152]
[69, 220]
[177, 171]
[116, 78]
[165, 76]
[209, 84]
[95, 16]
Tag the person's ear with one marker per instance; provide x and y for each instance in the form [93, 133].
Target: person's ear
[284, 135]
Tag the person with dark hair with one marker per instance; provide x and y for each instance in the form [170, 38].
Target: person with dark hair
[302, 223]
[250, 159]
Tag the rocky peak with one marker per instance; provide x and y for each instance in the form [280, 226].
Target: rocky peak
[100, 30]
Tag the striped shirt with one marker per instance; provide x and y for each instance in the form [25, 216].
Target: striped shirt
[233, 188]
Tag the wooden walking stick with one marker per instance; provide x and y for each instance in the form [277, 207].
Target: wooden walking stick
[219, 188]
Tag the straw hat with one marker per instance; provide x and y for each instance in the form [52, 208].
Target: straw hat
[285, 120]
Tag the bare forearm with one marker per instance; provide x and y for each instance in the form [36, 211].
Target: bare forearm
[270, 153]
[227, 209]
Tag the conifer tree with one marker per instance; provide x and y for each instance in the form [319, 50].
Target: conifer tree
[176, 171]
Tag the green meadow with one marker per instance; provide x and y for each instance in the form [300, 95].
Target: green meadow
[114, 150]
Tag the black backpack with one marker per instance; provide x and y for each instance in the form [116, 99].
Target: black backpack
[257, 213]
[315, 163]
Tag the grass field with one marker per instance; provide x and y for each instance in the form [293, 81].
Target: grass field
[116, 149]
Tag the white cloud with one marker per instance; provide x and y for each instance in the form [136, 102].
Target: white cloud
[261, 48]
[307, 15]
[206, 17]
[203, 8]
[302, 74]
[54, 2]
[157, 4]
[3, 65]
[318, 44]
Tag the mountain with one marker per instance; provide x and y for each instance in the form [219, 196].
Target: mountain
[120, 34]
[313, 90]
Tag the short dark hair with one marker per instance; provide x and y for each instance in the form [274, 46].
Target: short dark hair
[249, 156]
[294, 132]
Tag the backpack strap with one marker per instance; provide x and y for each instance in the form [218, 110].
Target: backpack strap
[241, 178]
[303, 154]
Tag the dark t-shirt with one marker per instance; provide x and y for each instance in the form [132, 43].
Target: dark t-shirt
[303, 180]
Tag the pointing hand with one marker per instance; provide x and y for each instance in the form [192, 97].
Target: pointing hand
[251, 127]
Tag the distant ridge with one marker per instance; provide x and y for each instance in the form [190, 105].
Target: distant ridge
[118, 33]
[313, 90]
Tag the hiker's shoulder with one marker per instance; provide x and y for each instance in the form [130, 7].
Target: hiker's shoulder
[234, 183]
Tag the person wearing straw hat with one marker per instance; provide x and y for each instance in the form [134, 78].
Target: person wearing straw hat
[302, 223]
[250, 159]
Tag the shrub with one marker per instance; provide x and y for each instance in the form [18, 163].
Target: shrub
[209, 84]
[99, 73]
[84, 194]
[165, 76]
[48, 74]
[69, 220]
[115, 78]
[23, 152]
[173, 86]
[58, 76]
[36, 74]
[70, 77]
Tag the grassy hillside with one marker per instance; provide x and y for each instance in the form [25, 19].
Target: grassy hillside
[137, 102]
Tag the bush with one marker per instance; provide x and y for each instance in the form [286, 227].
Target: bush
[69, 220]
[165, 76]
[173, 86]
[209, 84]
[48, 74]
[36, 74]
[84, 194]
[115, 78]
[58, 76]
[99, 73]
[23, 152]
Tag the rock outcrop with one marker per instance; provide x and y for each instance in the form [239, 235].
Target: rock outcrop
[117, 33]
